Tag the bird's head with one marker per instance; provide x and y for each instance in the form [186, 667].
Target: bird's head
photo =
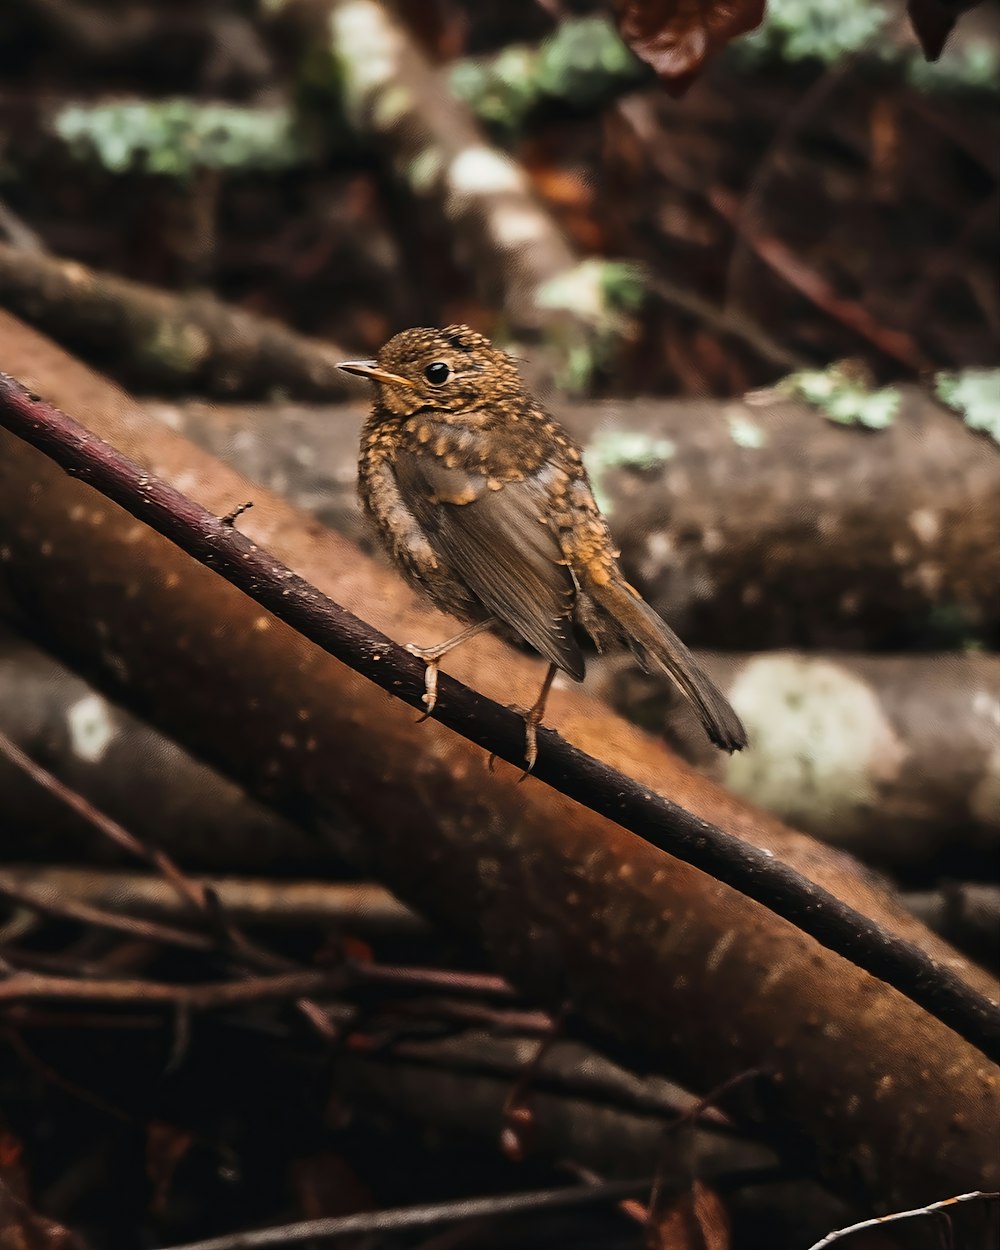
[451, 371]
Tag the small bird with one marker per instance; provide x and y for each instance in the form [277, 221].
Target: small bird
[482, 500]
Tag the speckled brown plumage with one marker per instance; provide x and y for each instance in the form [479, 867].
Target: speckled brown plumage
[481, 498]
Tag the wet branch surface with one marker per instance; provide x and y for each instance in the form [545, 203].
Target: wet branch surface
[217, 543]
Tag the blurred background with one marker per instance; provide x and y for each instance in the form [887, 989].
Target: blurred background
[769, 310]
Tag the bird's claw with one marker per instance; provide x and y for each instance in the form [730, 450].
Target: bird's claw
[429, 697]
[532, 718]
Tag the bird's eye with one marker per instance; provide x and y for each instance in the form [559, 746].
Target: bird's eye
[438, 373]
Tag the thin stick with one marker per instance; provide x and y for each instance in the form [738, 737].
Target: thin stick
[931, 1207]
[193, 895]
[50, 903]
[196, 896]
[30, 986]
[359, 905]
[664, 824]
[421, 1216]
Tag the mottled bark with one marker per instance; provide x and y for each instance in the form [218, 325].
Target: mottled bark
[164, 341]
[696, 979]
[126, 768]
[824, 536]
[894, 758]
[769, 525]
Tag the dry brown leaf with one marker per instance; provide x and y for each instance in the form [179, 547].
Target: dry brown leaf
[677, 37]
[696, 1220]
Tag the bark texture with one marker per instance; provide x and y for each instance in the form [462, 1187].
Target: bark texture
[699, 981]
[771, 524]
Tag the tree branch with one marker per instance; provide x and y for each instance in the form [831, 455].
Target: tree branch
[596, 785]
[421, 1216]
[170, 342]
[360, 906]
[21, 986]
[929, 1209]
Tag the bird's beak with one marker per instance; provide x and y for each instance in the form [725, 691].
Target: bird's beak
[369, 369]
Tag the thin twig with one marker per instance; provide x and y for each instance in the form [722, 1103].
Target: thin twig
[896, 344]
[499, 1021]
[198, 897]
[579, 1075]
[662, 823]
[421, 1216]
[931, 1207]
[104, 824]
[51, 904]
[25, 986]
[359, 905]
[687, 1119]
[435, 980]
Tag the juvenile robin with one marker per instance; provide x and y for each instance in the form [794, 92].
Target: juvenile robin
[481, 498]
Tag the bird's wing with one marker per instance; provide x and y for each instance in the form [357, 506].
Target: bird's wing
[497, 542]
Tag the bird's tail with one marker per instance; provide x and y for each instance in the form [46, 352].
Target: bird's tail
[656, 642]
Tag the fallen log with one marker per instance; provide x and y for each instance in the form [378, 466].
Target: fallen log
[747, 525]
[894, 758]
[163, 340]
[126, 768]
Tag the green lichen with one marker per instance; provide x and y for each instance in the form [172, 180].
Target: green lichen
[599, 297]
[576, 366]
[623, 449]
[822, 30]
[501, 91]
[175, 138]
[842, 398]
[829, 30]
[746, 433]
[975, 395]
[179, 346]
[582, 63]
[598, 292]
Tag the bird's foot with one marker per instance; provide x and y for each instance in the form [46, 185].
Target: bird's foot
[432, 656]
[429, 698]
[532, 717]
